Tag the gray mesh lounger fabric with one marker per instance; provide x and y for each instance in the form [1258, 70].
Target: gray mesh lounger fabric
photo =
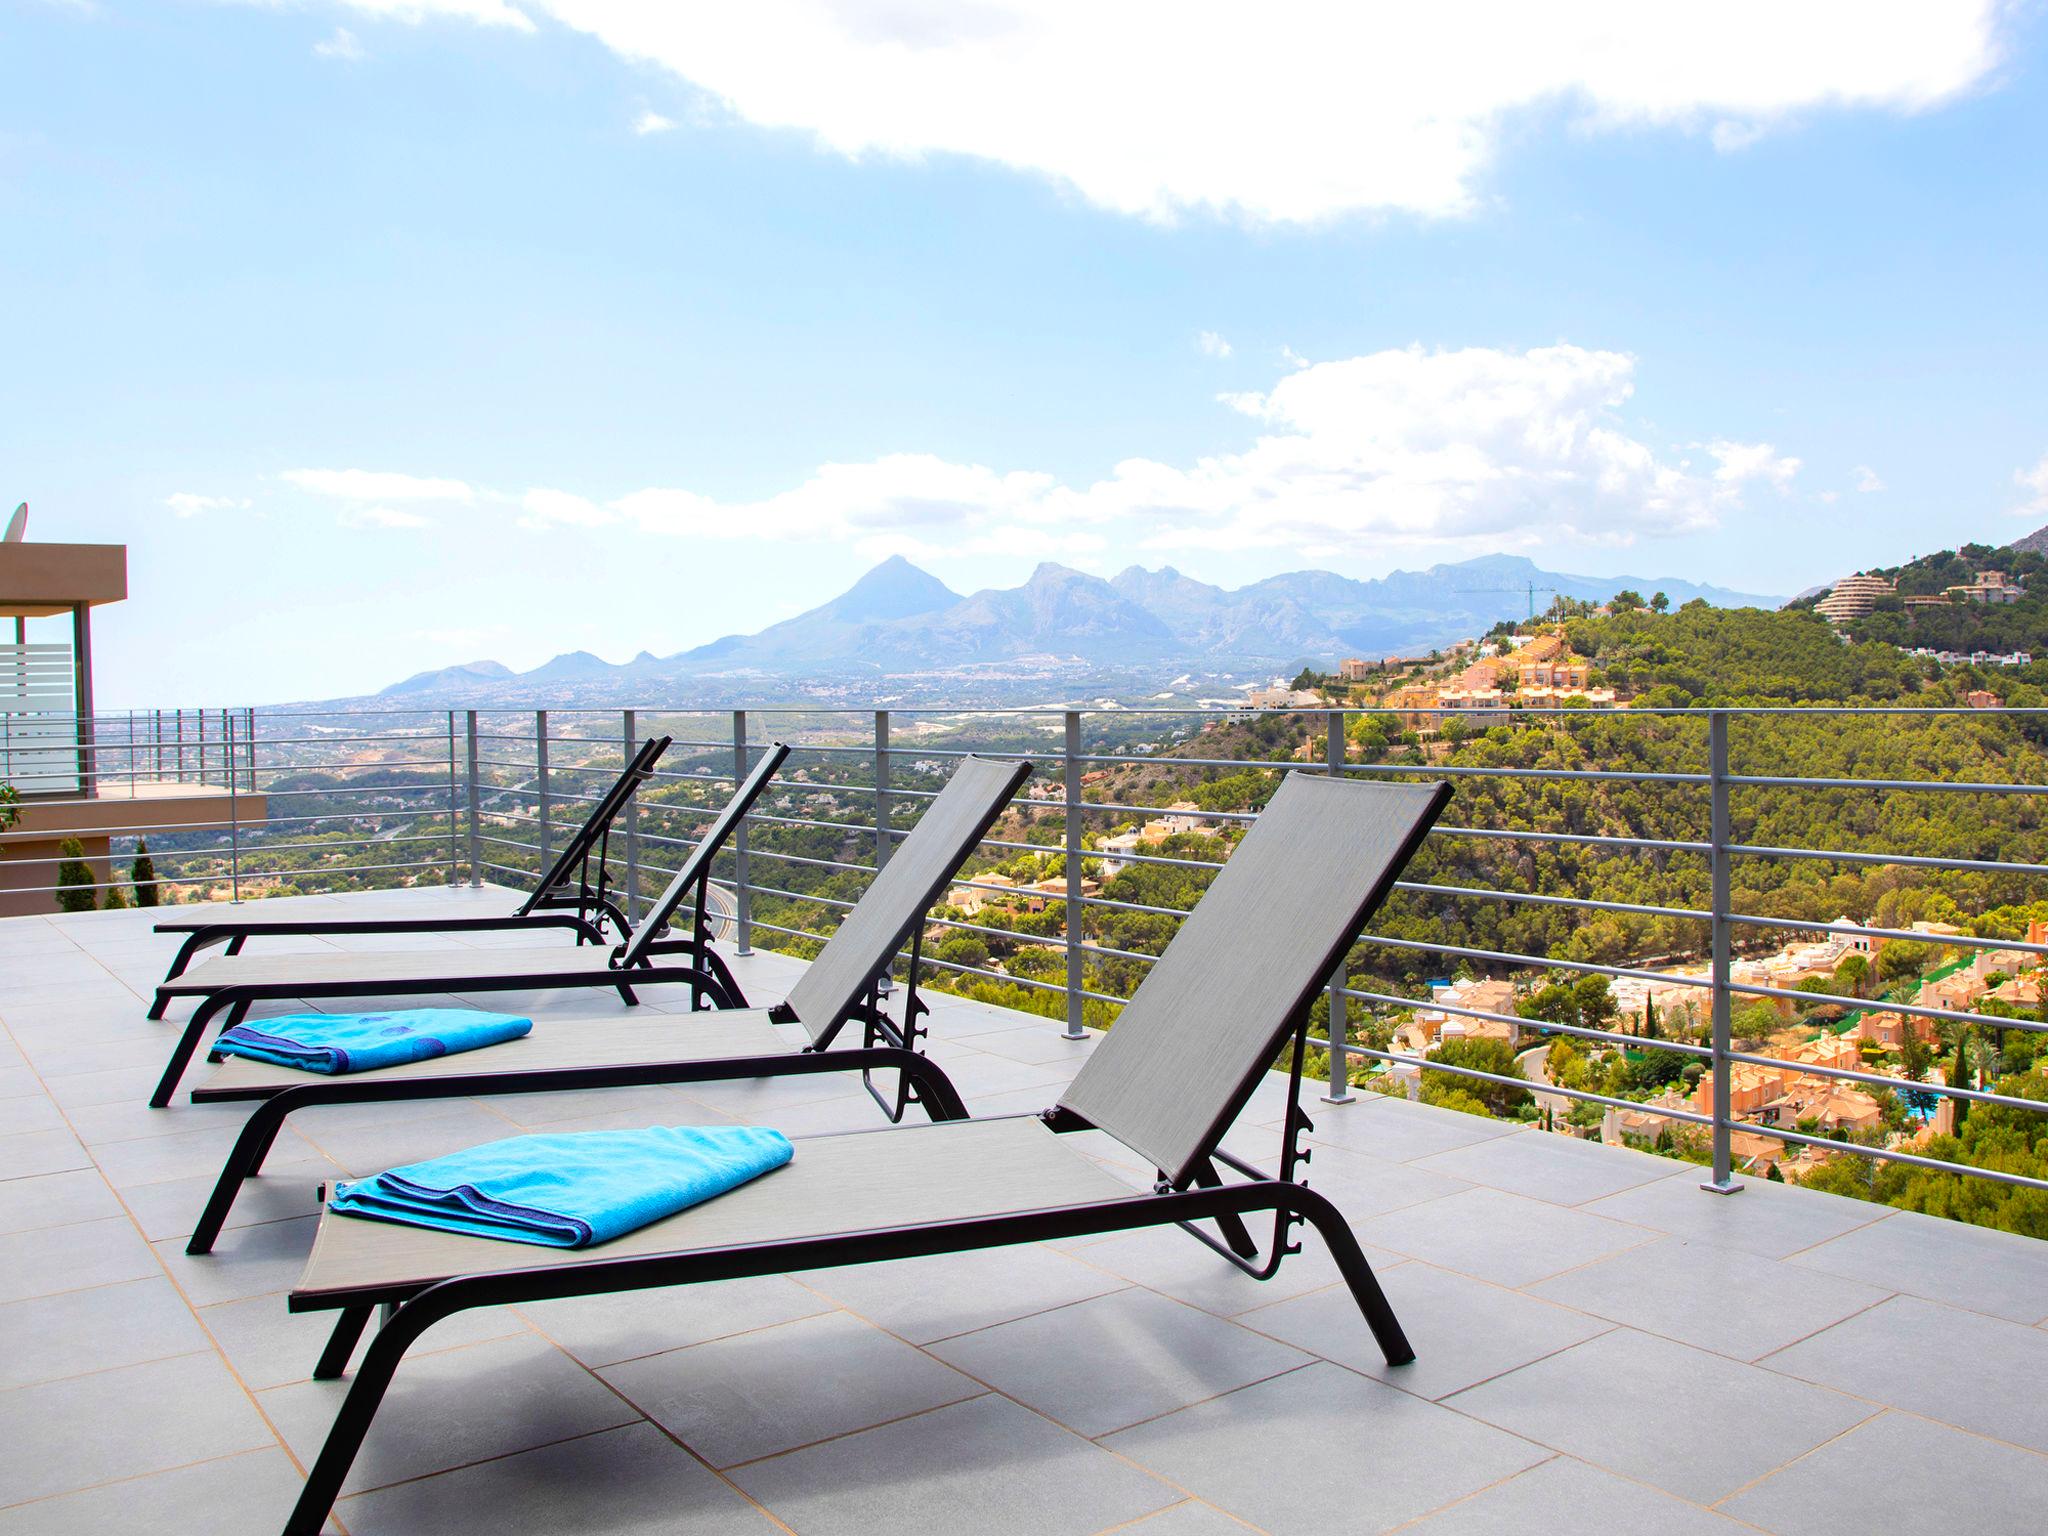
[455, 965]
[555, 1044]
[1210, 1015]
[861, 1181]
[346, 967]
[899, 896]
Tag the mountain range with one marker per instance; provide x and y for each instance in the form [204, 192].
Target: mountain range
[898, 619]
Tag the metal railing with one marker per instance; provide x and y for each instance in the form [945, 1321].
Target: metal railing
[489, 794]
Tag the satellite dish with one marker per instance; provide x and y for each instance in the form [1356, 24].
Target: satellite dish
[17, 525]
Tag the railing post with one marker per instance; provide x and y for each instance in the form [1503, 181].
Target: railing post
[630, 722]
[884, 810]
[476, 831]
[884, 813]
[454, 864]
[541, 787]
[1070, 766]
[742, 898]
[234, 818]
[1719, 836]
[1339, 1090]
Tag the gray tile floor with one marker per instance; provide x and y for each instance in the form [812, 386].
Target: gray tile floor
[1602, 1345]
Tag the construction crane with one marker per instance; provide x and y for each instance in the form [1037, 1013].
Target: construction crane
[1533, 589]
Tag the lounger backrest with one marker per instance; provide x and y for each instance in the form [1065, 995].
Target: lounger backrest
[896, 901]
[602, 815]
[1181, 1059]
[709, 846]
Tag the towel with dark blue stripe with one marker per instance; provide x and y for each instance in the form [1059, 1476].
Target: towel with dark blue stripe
[358, 1042]
[567, 1190]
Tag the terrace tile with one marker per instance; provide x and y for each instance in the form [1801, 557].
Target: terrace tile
[1612, 1400]
[981, 1465]
[1251, 1453]
[1110, 1362]
[754, 1394]
[1861, 1482]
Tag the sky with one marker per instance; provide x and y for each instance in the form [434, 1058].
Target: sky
[389, 334]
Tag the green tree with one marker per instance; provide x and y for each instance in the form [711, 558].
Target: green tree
[1903, 958]
[1959, 1073]
[1852, 975]
[1627, 600]
[143, 874]
[76, 888]
[1481, 1054]
[1660, 603]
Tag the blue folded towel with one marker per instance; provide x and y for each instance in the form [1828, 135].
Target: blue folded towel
[569, 1190]
[356, 1042]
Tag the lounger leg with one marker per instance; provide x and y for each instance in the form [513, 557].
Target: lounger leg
[181, 1056]
[235, 944]
[333, 1362]
[626, 993]
[243, 1162]
[935, 1090]
[727, 982]
[1230, 1224]
[1351, 1263]
[163, 1001]
[359, 1407]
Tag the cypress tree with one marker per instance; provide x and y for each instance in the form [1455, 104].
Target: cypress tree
[143, 874]
[1959, 1074]
[76, 888]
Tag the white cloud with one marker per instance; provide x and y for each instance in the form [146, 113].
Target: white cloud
[487, 13]
[343, 45]
[1730, 137]
[1867, 478]
[1738, 462]
[652, 122]
[382, 517]
[1467, 448]
[377, 485]
[2036, 481]
[1212, 345]
[1280, 113]
[186, 504]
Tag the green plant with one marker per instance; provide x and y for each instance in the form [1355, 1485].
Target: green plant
[77, 890]
[143, 875]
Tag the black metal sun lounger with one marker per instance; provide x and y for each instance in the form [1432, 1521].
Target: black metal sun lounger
[842, 986]
[570, 894]
[229, 984]
[1167, 1080]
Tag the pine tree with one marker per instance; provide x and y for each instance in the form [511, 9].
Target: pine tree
[143, 874]
[76, 887]
[1774, 1176]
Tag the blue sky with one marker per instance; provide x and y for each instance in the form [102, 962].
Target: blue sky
[394, 333]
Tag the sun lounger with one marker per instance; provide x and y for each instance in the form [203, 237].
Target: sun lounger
[842, 986]
[229, 984]
[1171, 1075]
[573, 893]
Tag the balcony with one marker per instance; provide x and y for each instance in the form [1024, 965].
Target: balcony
[1600, 1340]
[1595, 1333]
